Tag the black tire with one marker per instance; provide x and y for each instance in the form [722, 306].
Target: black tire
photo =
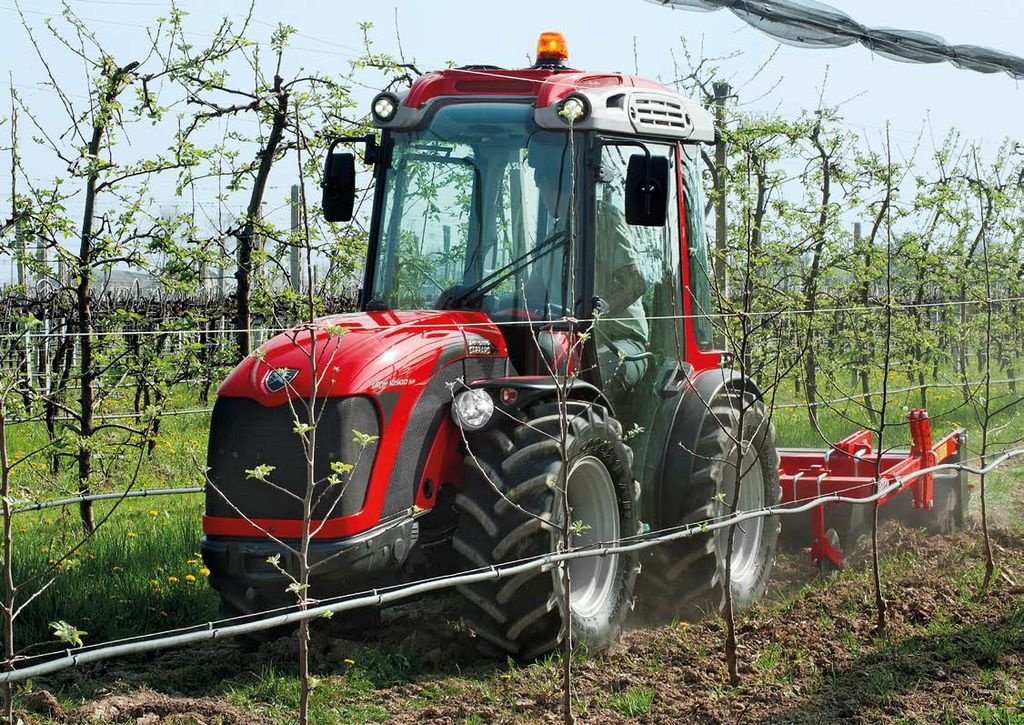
[238, 602]
[685, 578]
[510, 509]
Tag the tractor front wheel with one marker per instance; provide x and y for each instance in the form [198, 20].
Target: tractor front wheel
[512, 508]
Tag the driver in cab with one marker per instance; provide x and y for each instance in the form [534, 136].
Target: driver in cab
[620, 327]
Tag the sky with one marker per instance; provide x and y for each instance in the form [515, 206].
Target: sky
[626, 35]
[920, 102]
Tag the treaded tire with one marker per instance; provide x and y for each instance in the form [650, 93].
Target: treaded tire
[685, 578]
[510, 508]
[237, 602]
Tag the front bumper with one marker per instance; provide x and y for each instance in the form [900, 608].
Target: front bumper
[239, 567]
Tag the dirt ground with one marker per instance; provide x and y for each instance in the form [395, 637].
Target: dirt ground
[810, 654]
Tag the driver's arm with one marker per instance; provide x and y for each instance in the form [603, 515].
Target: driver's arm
[615, 243]
[628, 285]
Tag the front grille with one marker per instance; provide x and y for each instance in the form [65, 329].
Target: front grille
[651, 112]
[245, 434]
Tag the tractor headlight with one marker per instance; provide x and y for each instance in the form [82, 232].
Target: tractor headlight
[384, 107]
[574, 108]
[471, 409]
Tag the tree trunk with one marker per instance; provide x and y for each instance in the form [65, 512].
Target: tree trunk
[249, 232]
[812, 279]
[83, 313]
[9, 589]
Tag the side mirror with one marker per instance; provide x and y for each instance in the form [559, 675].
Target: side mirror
[339, 185]
[647, 190]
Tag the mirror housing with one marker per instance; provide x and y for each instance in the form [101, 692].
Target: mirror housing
[647, 184]
[339, 185]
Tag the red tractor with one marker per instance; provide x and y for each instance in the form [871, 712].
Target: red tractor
[533, 316]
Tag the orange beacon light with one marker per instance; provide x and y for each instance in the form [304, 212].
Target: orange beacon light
[552, 48]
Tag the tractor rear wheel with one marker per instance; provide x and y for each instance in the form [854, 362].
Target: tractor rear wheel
[684, 578]
[511, 508]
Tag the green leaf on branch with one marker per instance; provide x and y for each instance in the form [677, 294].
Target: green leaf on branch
[364, 439]
[578, 528]
[67, 633]
[260, 472]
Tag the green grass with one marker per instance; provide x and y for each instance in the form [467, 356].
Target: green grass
[141, 572]
[1001, 715]
[177, 460]
[770, 659]
[633, 701]
[333, 700]
[945, 407]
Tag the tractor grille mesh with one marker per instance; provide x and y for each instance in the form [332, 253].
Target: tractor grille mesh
[658, 113]
[245, 434]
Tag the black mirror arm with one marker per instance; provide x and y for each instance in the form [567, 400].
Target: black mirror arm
[370, 154]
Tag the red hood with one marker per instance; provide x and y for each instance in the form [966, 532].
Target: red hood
[364, 353]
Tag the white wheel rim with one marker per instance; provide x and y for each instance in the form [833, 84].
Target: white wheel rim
[747, 542]
[593, 518]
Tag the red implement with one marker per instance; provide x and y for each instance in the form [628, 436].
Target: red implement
[850, 469]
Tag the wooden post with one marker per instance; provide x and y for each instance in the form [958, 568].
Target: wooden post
[296, 271]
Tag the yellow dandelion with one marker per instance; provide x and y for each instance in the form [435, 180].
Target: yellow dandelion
[154, 513]
[172, 579]
[506, 676]
[131, 534]
[154, 583]
[204, 571]
[349, 662]
[190, 579]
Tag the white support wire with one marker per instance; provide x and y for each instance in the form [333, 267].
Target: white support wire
[380, 597]
[116, 416]
[142, 493]
[898, 306]
[895, 391]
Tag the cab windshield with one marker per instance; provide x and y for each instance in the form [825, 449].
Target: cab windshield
[474, 214]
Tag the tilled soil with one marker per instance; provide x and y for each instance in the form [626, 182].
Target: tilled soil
[810, 654]
[810, 657]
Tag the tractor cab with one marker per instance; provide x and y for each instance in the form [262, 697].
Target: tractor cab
[553, 201]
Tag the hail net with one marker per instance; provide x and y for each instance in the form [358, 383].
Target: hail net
[810, 24]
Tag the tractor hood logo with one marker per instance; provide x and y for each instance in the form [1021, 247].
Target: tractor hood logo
[276, 380]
